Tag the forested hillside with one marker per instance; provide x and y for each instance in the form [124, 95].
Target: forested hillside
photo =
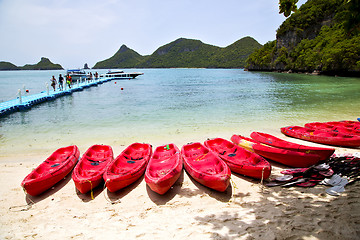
[185, 53]
[322, 36]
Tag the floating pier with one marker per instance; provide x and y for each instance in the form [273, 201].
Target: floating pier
[25, 102]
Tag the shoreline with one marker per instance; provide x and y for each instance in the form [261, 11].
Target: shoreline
[246, 210]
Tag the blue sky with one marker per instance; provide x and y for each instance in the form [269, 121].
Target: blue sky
[74, 32]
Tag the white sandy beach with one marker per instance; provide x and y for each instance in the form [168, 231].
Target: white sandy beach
[247, 210]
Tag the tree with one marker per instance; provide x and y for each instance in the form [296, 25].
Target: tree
[287, 6]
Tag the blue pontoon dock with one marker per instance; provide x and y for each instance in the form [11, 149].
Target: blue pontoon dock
[24, 102]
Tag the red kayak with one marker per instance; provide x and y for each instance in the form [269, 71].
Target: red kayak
[346, 124]
[206, 167]
[164, 168]
[338, 128]
[271, 140]
[284, 156]
[51, 171]
[323, 137]
[128, 167]
[240, 160]
[88, 173]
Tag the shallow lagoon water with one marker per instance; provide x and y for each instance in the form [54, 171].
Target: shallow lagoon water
[171, 105]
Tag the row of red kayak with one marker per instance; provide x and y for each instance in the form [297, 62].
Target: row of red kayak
[339, 133]
[210, 163]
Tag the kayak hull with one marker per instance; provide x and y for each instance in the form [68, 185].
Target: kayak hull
[206, 167]
[164, 168]
[323, 153]
[88, 173]
[323, 137]
[239, 159]
[51, 171]
[283, 156]
[128, 167]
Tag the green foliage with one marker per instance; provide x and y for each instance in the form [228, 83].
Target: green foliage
[185, 53]
[334, 48]
[263, 57]
[287, 6]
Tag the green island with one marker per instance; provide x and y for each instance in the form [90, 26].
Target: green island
[323, 36]
[184, 53]
[44, 64]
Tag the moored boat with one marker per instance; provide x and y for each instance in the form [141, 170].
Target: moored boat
[164, 168]
[77, 74]
[51, 171]
[323, 137]
[284, 156]
[121, 75]
[271, 140]
[88, 173]
[128, 167]
[205, 166]
[239, 159]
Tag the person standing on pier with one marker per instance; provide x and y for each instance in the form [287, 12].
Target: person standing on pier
[68, 80]
[53, 82]
[61, 82]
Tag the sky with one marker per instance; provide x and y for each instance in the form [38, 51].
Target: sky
[75, 32]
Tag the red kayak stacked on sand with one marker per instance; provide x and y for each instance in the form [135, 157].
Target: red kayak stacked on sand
[323, 137]
[239, 159]
[284, 156]
[323, 153]
[164, 168]
[205, 166]
[128, 167]
[88, 173]
[335, 127]
[51, 171]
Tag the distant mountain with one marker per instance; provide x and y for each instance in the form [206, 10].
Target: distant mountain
[44, 64]
[185, 53]
[4, 66]
[123, 58]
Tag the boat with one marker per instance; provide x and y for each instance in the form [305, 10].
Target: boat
[51, 171]
[354, 130]
[128, 167]
[164, 168]
[205, 166]
[323, 137]
[120, 75]
[77, 74]
[88, 173]
[271, 140]
[287, 157]
[239, 159]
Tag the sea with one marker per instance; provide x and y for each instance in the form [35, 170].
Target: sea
[170, 105]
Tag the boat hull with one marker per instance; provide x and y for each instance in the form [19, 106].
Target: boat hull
[283, 156]
[239, 159]
[164, 168]
[128, 167]
[271, 140]
[51, 171]
[323, 137]
[88, 173]
[206, 167]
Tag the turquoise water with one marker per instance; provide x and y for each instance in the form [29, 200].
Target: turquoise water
[171, 105]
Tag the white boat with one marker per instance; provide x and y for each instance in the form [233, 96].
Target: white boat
[121, 75]
[77, 74]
